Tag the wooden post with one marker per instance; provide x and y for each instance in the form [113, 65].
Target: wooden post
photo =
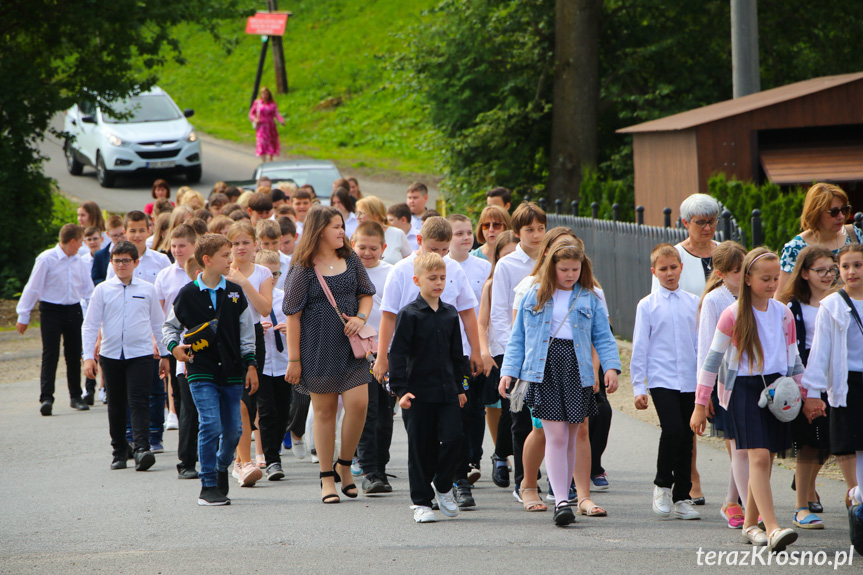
[265, 40]
[278, 57]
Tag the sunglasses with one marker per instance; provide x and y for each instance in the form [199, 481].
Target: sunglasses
[492, 225]
[844, 210]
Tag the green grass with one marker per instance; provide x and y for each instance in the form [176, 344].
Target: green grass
[333, 49]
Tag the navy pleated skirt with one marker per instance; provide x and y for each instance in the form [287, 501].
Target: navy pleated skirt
[755, 427]
[846, 423]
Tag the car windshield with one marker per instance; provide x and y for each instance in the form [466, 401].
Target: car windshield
[319, 178]
[144, 109]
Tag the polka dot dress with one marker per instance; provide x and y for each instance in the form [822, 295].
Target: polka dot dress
[560, 396]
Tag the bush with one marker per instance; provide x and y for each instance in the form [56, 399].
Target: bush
[780, 209]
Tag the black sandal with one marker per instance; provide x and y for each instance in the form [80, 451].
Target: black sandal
[563, 514]
[338, 479]
[332, 497]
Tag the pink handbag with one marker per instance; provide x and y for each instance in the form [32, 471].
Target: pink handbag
[365, 343]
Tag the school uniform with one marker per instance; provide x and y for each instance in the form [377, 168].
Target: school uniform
[130, 318]
[351, 225]
[664, 352]
[712, 306]
[62, 286]
[416, 222]
[101, 263]
[284, 267]
[274, 393]
[150, 263]
[411, 236]
[426, 360]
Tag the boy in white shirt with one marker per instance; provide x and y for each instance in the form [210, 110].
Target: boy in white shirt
[473, 415]
[168, 284]
[664, 351]
[269, 235]
[528, 223]
[399, 216]
[127, 312]
[287, 243]
[373, 451]
[416, 198]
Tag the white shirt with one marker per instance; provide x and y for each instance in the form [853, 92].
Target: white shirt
[130, 317]
[284, 267]
[168, 284]
[510, 270]
[299, 225]
[809, 315]
[378, 275]
[665, 342]
[855, 340]
[398, 246]
[476, 270]
[770, 334]
[56, 278]
[149, 266]
[560, 314]
[149, 242]
[275, 363]
[351, 224]
[412, 239]
[261, 274]
[416, 222]
[711, 308]
[692, 278]
[400, 290]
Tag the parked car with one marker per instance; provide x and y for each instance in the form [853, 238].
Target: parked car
[155, 137]
[320, 174]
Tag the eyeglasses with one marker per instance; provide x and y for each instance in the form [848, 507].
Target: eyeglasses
[122, 262]
[705, 223]
[276, 274]
[492, 225]
[834, 212]
[833, 271]
[117, 237]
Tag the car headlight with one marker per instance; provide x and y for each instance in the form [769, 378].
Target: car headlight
[113, 140]
[192, 137]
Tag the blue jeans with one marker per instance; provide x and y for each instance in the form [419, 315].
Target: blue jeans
[219, 426]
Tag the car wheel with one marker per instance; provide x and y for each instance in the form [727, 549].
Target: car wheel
[106, 178]
[193, 175]
[72, 164]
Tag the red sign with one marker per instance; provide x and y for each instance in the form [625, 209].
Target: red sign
[267, 23]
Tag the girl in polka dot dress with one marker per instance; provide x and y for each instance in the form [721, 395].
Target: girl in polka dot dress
[557, 322]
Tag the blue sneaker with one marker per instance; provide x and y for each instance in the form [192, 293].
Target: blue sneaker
[550, 496]
[356, 470]
[573, 494]
[600, 482]
[156, 447]
[286, 442]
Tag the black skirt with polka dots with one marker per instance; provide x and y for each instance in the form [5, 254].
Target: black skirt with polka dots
[560, 396]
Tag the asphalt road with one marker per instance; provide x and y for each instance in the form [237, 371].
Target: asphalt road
[65, 511]
[222, 161]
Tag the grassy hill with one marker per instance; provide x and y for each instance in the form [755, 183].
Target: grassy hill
[335, 50]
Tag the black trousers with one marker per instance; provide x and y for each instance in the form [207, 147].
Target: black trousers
[158, 403]
[374, 447]
[60, 320]
[274, 407]
[674, 461]
[473, 411]
[299, 412]
[434, 440]
[260, 357]
[503, 447]
[476, 406]
[128, 384]
[175, 386]
[599, 426]
[187, 413]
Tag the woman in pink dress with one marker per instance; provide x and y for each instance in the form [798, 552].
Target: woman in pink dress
[263, 115]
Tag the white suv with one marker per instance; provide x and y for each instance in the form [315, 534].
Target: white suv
[154, 137]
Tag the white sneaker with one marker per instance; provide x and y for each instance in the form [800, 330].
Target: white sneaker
[315, 458]
[298, 448]
[423, 514]
[445, 502]
[172, 422]
[662, 501]
[685, 510]
[236, 470]
[103, 397]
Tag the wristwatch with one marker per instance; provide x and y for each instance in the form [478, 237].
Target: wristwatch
[361, 315]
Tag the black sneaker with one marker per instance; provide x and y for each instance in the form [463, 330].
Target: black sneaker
[223, 483]
[118, 464]
[88, 399]
[373, 483]
[275, 472]
[211, 496]
[130, 453]
[144, 460]
[78, 404]
[387, 487]
[46, 408]
[463, 495]
[186, 473]
[499, 473]
[563, 515]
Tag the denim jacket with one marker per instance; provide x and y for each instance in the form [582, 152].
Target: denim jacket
[527, 349]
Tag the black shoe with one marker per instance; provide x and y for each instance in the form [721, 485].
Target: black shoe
[373, 483]
[144, 460]
[118, 464]
[186, 473]
[223, 483]
[856, 527]
[211, 496]
[463, 495]
[499, 472]
[275, 472]
[563, 515]
[46, 408]
[78, 403]
[130, 453]
[387, 487]
[89, 399]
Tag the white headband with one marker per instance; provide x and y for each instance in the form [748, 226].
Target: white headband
[756, 259]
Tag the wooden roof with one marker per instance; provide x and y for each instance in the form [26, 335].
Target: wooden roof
[737, 106]
[814, 164]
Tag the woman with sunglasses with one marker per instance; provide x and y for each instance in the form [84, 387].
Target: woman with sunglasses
[493, 221]
[825, 211]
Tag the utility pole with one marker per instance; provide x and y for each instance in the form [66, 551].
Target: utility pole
[745, 71]
[278, 57]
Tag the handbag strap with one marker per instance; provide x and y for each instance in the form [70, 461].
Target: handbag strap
[329, 294]
[851, 233]
[854, 313]
[571, 307]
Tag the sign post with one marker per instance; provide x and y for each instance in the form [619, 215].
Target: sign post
[267, 25]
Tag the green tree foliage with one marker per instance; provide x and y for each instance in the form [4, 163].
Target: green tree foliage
[51, 54]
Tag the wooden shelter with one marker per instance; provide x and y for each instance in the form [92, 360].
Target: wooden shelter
[795, 134]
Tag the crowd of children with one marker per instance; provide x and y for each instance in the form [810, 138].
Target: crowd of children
[249, 313]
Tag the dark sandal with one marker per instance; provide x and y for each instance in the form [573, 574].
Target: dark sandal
[332, 497]
[345, 488]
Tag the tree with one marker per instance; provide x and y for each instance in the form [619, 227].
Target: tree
[51, 55]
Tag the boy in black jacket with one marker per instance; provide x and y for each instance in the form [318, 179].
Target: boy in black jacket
[426, 373]
[221, 359]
